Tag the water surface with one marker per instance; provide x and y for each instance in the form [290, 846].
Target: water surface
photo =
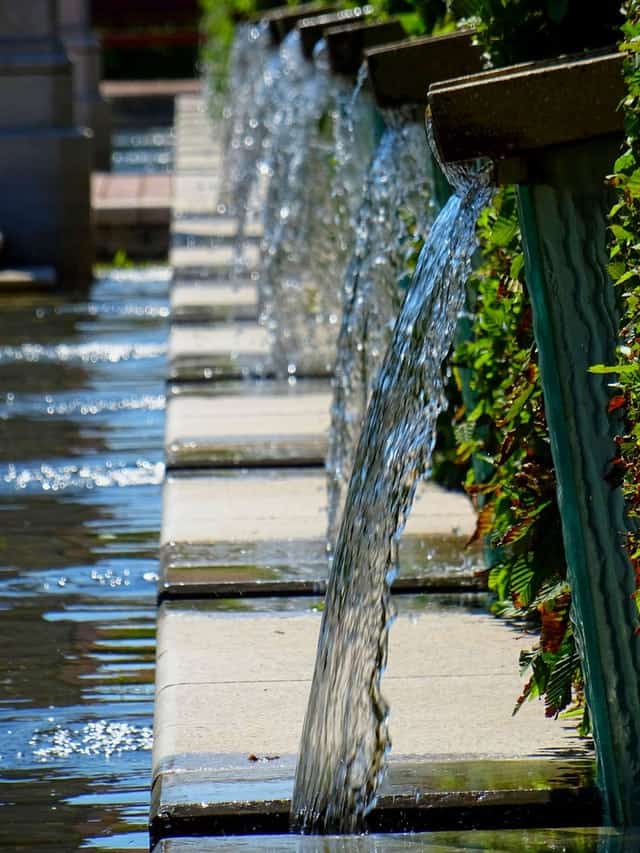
[81, 423]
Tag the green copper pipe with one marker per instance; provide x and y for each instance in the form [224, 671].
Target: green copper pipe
[563, 213]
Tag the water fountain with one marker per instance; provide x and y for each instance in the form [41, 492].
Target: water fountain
[397, 437]
[307, 224]
[404, 187]
[345, 738]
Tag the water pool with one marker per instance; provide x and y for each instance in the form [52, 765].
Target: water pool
[81, 428]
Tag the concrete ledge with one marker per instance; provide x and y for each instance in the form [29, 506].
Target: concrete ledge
[347, 44]
[277, 505]
[131, 213]
[402, 72]
[218, 227]
[210, 773]
[196, 302]
[490, 115]
[230, 350]
[27, 279]
[203, 253]
[505, 838]
[288, 429]
[437, 565]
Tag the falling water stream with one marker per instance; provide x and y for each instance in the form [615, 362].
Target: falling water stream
[345, 737]
[395, 214]
[301, 249]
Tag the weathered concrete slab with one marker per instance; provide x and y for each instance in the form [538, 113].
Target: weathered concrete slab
[27, 278]
[131, 213]
[195, 195]
[230, 350]
[441, 665]
[218, 227]
[262, 532]
[216, 256]
[288, 429]
[140, 88]
[586, 839]
[436, 569]
[270, 506]
[213, 301]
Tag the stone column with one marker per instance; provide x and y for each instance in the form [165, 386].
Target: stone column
[83, 49]
[45, 161]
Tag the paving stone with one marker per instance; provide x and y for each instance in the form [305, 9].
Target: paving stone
[195, 194]
[585, 839]
[141, 88]
[283, 506]
[229, 350]
[27, 278]
[232, 350]
[213, 301]
[219, 256]
[288, 428]
[441, 665]
[218, 227]
[435, 569]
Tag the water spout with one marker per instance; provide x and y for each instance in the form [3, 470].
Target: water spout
[345, 737]
[396, 213]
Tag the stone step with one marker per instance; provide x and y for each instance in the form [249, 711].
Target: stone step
[131, 213]
[212, 301]
[205, 254]
[244, 430]
[263, 531]
[24, 279]
[564, 805]
[225, 350]
[452, 682]
[218, 227]
[196, 194]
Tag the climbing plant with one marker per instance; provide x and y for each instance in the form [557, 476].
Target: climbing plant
[503, 434]
[624, 269]
[417, 16]
[513, 31]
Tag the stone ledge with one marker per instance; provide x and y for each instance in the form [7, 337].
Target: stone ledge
[27, 278]
[209, 772]
[490, 114]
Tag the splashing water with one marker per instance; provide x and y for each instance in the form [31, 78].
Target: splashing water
[306, 237]
[395, 214]
[345, 737]
[254, 66]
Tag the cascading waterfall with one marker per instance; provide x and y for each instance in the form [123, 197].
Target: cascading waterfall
[307, 236]
[254, 66]
[345, 737]
[396, 212]
[241, 57]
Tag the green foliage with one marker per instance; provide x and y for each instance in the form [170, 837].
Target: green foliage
[512, 31]
[624, 268]
[219, 18]
[417, 16]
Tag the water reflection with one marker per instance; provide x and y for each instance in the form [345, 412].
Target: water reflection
[81, 420]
